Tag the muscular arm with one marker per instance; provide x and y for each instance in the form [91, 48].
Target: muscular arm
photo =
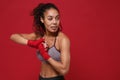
[63, 66]
[22, 38]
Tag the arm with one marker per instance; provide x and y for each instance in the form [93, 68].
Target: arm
[63, 66]
[22, 38]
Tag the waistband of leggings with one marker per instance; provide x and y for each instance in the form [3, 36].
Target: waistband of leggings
[60, 76]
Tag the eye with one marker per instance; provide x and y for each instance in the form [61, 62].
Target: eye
[57, 18]
[50, 18]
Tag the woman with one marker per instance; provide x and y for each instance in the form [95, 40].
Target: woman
[53, 46]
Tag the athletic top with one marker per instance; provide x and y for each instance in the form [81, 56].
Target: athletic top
[52, 51]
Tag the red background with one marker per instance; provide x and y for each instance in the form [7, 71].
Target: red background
[92, 26]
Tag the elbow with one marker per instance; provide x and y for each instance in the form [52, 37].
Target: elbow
[64, 71]
[13, 36]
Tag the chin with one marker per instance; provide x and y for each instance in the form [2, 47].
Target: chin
[53, 31]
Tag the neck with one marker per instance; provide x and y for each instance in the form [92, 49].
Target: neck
[49, 34]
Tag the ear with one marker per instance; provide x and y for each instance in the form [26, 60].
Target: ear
[41, 19]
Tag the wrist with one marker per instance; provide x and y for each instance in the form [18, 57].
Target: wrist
[45, 55]
[31, 43]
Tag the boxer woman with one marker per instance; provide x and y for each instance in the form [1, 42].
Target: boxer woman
[52, 45]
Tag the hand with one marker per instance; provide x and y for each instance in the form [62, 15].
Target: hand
[35, 43]
[44, 50]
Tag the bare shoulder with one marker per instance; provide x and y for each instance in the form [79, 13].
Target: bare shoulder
[63, 40]
[63, 37]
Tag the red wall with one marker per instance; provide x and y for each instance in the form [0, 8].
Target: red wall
[92, 25]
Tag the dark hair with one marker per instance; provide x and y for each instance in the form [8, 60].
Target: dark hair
[38, 12]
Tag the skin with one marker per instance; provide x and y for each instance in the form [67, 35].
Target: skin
[51, 21]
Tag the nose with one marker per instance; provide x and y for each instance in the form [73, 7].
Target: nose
[54, 21]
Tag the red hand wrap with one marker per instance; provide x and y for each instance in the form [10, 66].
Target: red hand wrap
[43, 51]
[35, 43]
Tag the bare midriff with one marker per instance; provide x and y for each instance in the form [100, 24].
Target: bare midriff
[48, 71]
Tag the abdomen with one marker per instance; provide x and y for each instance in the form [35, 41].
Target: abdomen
[48, 71]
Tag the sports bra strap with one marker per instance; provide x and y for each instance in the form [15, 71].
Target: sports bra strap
[54, 41]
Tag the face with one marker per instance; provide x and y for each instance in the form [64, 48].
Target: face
[51, 20]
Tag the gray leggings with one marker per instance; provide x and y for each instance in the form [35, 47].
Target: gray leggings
[52, 78]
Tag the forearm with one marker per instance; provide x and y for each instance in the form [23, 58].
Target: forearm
[18, 39]
[59, 66]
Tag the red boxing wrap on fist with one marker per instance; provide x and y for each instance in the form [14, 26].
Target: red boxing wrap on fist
[43, 51]
[35, 43]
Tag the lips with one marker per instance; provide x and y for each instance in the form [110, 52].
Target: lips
[54, 27]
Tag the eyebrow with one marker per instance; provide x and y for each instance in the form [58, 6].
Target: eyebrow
[55, 16]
